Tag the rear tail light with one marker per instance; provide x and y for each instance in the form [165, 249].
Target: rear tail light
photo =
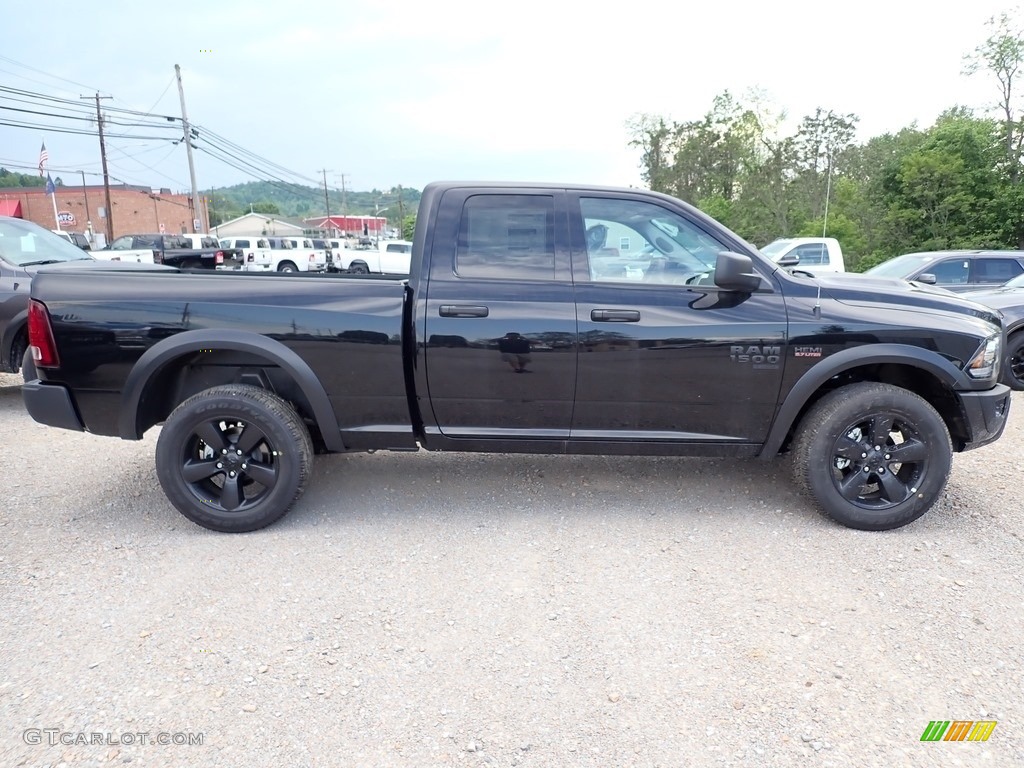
[250, 258]
[158, 258]
[312, 257]
[219, 257]
[40, 336]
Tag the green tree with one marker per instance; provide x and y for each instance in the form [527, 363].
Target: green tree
[408, 226]
[267, 208]
[1002, 56]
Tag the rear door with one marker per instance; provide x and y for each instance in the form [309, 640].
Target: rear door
[500, 326]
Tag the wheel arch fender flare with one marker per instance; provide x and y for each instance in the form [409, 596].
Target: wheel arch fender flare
[165, 352]
[900, 354]
[15, 325]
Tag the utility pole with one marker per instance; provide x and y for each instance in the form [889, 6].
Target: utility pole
[327, 202]
[344, 195]
[88, 218]
[195, 211]
[103, 158]
[401, 214]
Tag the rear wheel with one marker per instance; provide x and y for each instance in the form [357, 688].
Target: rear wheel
[287, 266]
[190, 264]
[359, 268]
[874, 456]
[18, 348]
[234, 458]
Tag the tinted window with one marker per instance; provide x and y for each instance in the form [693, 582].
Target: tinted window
[811, 253]
[950, 271]
[507, 236]
[995, 270]
[661, 246]
[241, 243]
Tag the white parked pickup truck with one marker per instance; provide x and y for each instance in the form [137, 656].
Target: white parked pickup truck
[392, 257]
[813, 254]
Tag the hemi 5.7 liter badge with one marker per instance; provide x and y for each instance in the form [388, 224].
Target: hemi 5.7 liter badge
[806, 351]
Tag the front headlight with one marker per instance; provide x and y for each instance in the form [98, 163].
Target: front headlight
[985, 363]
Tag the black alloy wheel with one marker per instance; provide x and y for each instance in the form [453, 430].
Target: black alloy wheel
[874, 456]
[234, 458]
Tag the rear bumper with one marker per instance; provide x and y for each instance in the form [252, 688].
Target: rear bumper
[51, 404]
[985, 415]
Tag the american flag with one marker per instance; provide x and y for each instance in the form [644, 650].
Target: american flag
[44, 156]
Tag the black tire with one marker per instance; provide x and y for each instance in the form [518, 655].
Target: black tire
[222, 475]
[846, 455]
[18, 348]
[190, 264]
[1013, 377]
[358, 268]
[287, 266]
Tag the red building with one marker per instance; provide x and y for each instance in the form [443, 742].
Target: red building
[354, 225]
[135, 210]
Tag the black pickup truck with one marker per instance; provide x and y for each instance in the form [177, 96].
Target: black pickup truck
[536, 318]
[173, 250]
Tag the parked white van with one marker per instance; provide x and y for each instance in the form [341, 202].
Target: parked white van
[258, 256]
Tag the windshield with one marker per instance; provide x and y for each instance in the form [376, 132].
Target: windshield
[901, 266]
[23, 244]
[775, 247]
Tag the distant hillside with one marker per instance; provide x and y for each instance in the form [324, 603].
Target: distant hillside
[226, 203]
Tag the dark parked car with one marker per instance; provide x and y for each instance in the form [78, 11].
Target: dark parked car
[24, 247]
[954, 270]
[1009, 300]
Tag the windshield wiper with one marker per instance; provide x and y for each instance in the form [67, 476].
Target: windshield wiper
[38, 263]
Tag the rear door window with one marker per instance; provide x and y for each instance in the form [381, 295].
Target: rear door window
[508, 237]
[996, 270]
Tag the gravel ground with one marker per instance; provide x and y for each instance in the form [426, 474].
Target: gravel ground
[429, 609]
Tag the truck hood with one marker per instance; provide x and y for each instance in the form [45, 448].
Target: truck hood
[858, 290]
[1007, 301]
[997, 298]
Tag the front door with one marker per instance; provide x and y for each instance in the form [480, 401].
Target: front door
[664, 354]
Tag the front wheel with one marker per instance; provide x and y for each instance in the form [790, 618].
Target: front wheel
[1014, 377]
[234, 458]
[287, 266]
[874, 456]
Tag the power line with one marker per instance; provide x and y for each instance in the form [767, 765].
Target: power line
[47, 74]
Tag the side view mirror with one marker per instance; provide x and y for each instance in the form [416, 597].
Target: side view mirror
[789, 261]
[735, 272]
[927, 278]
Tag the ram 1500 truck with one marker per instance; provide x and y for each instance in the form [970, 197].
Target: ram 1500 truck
[173, 250]
[535, 318]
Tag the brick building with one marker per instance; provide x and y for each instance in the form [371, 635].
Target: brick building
[135, 209]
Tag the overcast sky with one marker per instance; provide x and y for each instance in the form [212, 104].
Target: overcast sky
[409, 92]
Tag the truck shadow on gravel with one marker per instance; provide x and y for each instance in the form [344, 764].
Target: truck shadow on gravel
[470, 486]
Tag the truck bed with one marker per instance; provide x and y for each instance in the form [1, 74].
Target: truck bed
[348, 331]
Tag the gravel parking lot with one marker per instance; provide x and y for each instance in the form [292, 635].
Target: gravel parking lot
[429, 609]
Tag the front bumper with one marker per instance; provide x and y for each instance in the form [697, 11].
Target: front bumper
[985, 415]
